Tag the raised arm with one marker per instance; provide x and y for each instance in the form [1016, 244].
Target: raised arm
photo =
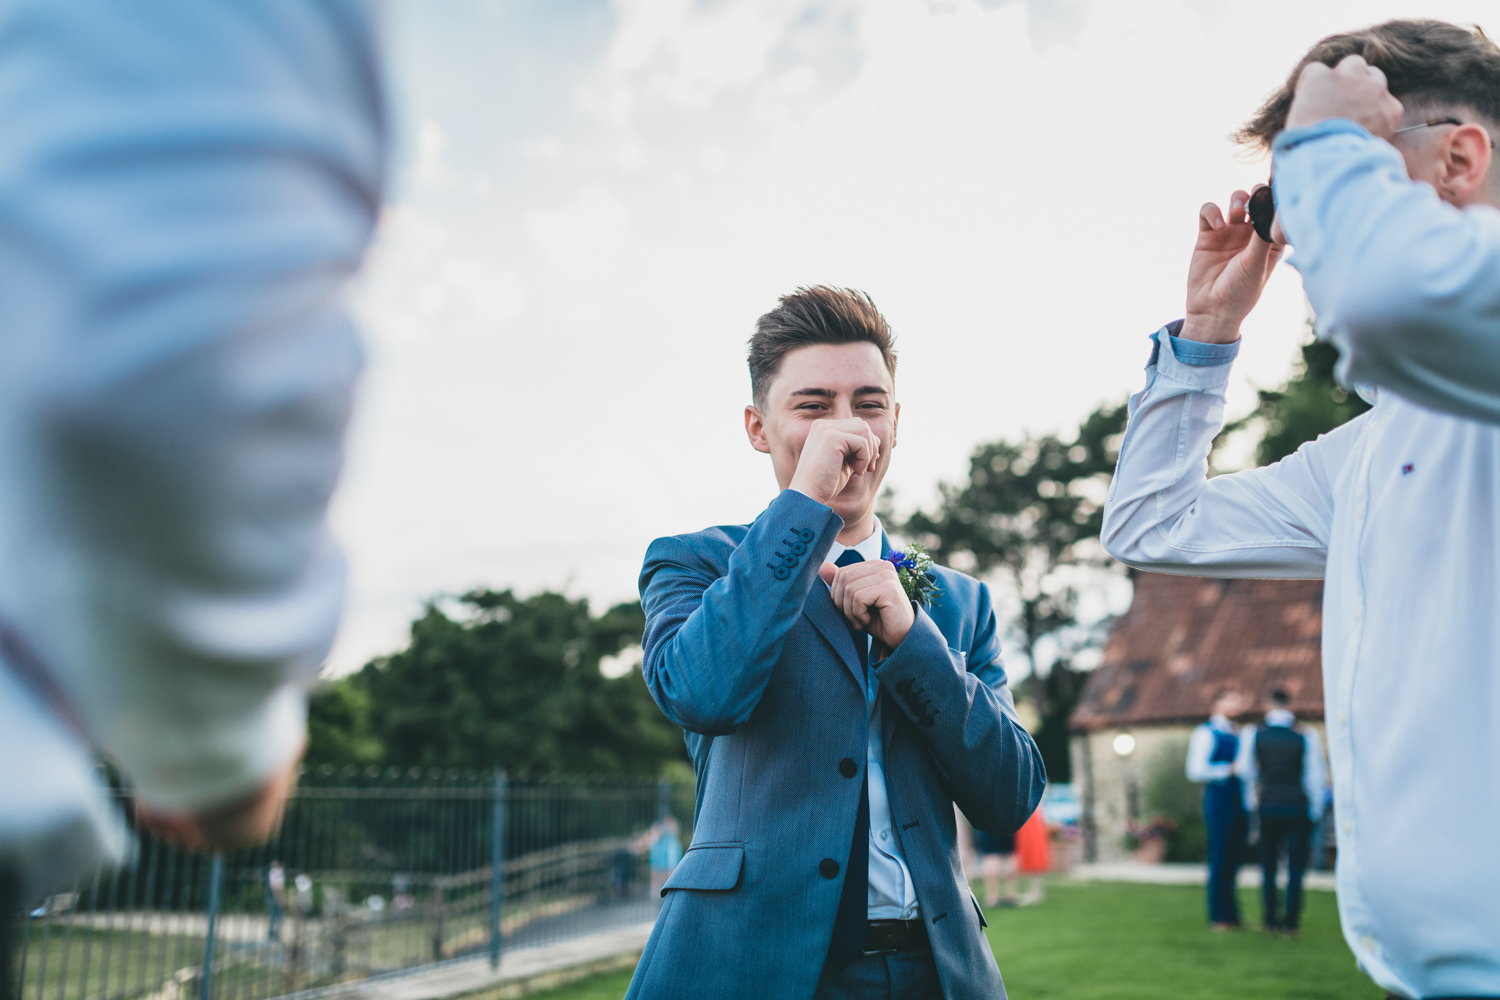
[1405, 283]
[1164, 514]
[1407, 286]
[714, 633]
[186, 189]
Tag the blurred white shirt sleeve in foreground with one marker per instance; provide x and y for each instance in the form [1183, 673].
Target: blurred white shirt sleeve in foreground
[186, 189]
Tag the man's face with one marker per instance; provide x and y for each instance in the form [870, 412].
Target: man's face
[822, 382]
[1229, 704]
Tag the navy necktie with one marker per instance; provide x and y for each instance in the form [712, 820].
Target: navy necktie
[851, 924]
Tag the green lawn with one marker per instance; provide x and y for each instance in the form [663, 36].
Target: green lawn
[1141, 942]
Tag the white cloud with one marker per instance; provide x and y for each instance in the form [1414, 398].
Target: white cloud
[583, 237]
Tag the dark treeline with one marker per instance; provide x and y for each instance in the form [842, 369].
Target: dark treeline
[500, 681]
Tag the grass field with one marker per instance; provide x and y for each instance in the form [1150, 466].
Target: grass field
[1141, 942]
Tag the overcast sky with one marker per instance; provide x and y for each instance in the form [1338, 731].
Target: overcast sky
[593, 201]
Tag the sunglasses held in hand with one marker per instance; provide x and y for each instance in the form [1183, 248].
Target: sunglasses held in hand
[1262, 210]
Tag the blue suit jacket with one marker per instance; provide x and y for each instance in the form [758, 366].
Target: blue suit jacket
[746, 651]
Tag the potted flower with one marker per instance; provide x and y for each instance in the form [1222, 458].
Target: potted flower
[1147, 841]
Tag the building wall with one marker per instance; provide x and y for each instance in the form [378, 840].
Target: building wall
[1112, 785]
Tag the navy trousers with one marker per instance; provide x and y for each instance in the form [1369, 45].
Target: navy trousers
[1224, 815]
[1293, 830]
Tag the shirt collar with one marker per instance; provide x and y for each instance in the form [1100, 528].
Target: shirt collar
[1280, 717]
[868, 548]
[1220, 722]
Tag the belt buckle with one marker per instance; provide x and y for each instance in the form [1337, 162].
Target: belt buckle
[896, 932]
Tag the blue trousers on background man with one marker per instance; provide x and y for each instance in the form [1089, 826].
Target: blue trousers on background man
[1224, 815]
[1293, 829]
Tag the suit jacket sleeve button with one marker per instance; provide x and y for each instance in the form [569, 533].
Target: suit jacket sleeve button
[848, 768]
[828, 868]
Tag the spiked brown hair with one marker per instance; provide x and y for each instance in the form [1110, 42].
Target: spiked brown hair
[820, 314]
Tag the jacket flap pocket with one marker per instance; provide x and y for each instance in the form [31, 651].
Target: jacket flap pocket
[711, 866]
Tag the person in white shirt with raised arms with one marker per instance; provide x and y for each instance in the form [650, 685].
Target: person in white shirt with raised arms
[1383, 143]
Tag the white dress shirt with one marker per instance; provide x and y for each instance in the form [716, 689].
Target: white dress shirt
[185, 189]
[1314, 772]
[1399, 511]
[1200, 766]
[892, 896]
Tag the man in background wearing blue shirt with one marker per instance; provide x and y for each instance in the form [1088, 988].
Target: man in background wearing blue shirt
[1281, 765]
[1211, 755]
[1383, 143]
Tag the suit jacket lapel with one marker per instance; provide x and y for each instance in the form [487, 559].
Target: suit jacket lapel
[820, 610]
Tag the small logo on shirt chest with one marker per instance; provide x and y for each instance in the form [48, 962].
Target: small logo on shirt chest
[1408, 469]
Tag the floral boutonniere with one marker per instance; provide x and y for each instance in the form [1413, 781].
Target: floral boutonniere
[914, 570]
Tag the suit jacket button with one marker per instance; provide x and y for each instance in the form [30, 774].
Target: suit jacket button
[848, 768]
[828, 868]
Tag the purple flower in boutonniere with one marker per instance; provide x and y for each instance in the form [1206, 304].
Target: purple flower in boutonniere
[914, 570]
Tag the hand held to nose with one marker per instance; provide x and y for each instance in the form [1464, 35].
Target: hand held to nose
[835, 452]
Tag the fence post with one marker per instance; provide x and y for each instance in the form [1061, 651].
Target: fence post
[663, 798]
[215, 880]
[497, 861]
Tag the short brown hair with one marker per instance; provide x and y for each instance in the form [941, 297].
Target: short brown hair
[820, 314]
[1429, 65]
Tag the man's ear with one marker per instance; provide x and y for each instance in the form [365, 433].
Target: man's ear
[1464, 171]
[895, 422]
[755, 430]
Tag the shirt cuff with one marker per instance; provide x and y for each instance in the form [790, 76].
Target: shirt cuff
[1290, 139]
[1195, 353]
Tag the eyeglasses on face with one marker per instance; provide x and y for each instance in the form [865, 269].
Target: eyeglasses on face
[1431, 122]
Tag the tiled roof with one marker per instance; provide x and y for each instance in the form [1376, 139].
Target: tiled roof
[1186, 638]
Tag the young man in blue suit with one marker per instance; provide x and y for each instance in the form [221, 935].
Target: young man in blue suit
[833, 722]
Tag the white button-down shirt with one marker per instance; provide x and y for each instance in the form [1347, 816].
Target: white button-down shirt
[892, 896]
[1200, 764]
[1399, 511]
[176, 366]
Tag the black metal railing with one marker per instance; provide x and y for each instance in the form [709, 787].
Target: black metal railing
[374, 872]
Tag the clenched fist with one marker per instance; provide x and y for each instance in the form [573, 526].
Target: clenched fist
[1353, 89]
[871, 597]
[835, 452]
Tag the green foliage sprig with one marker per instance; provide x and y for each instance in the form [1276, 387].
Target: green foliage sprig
[914, 570]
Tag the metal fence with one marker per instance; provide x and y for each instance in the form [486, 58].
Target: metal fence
[373, 873]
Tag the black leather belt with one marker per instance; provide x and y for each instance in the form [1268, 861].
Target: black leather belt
[887, 936]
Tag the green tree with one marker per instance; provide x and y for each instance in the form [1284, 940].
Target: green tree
[1031, 512]
[501, 680]
[1309, 404]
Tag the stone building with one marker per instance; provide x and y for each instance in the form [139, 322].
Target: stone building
[1183, 641]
